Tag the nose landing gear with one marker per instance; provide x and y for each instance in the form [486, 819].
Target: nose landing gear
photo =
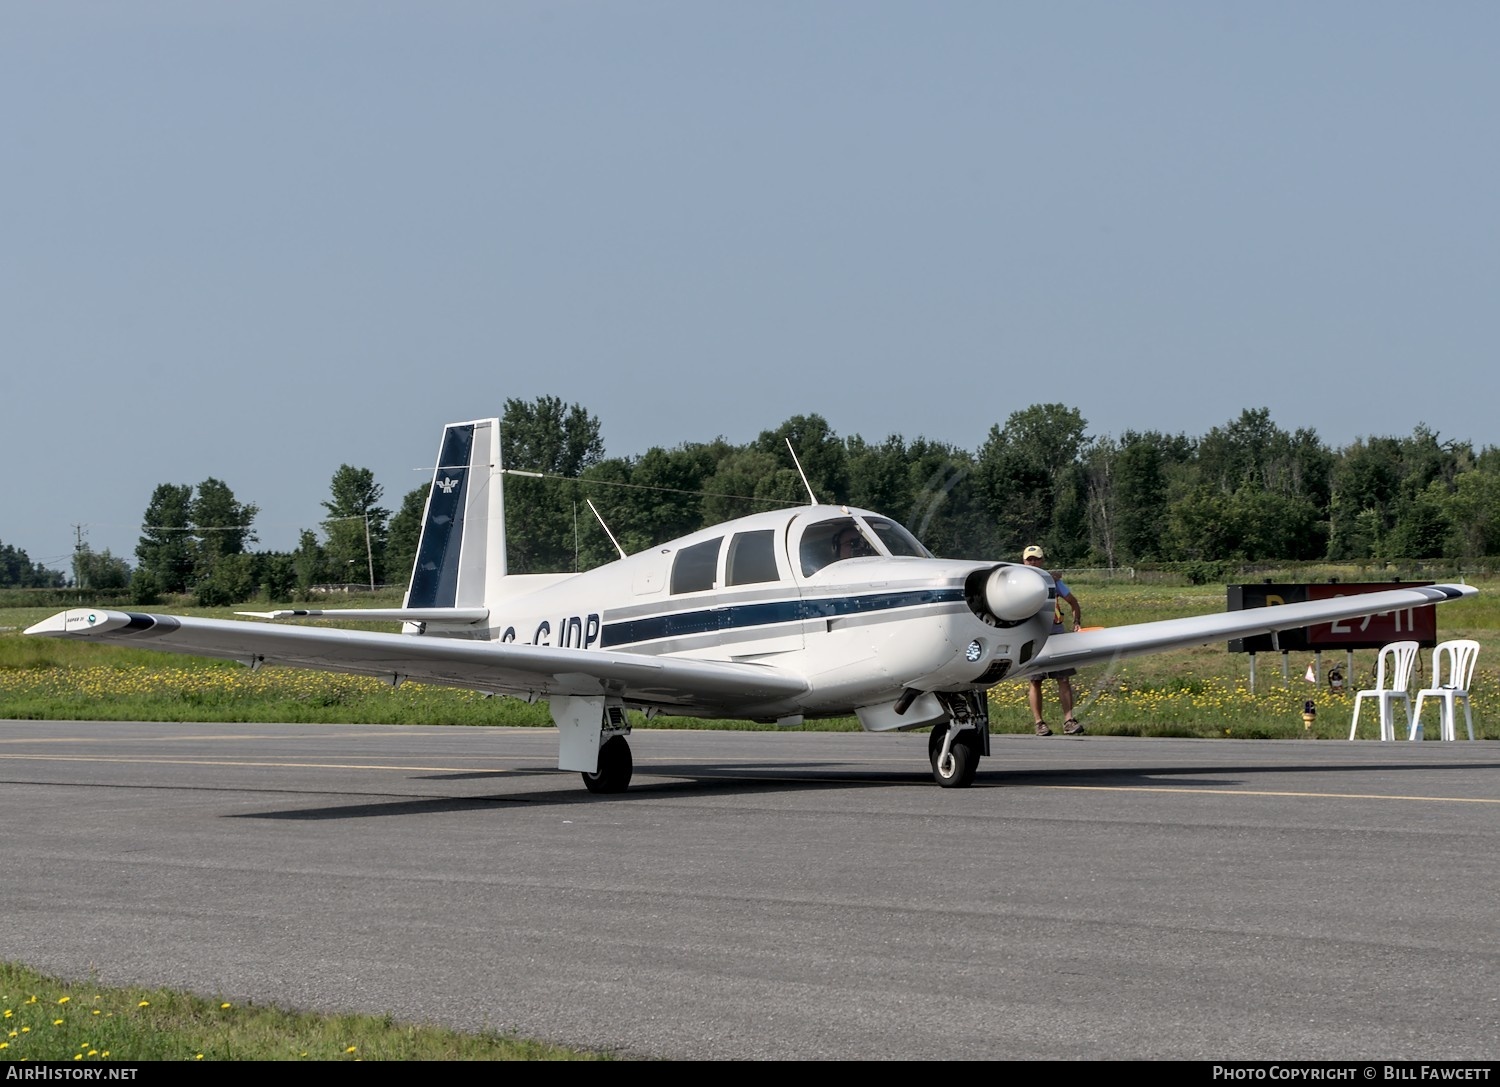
[956, 747]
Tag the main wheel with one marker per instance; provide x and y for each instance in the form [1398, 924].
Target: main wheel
[957, 770]
[615, 768]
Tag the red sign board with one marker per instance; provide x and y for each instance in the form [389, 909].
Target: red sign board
[1413, 624]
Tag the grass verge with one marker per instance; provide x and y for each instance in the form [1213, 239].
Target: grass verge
[46, 1019]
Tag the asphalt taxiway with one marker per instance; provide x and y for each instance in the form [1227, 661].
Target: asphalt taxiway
[765, 895]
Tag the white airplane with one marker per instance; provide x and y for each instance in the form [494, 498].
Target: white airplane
[800, 613]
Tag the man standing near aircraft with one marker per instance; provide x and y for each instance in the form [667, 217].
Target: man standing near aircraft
[1035, 556]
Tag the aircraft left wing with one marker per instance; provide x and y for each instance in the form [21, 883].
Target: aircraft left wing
[1091, 647]
[527, 671]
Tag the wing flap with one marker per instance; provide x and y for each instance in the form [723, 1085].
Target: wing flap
[382, 615]
[1090, 647]
[525, 670]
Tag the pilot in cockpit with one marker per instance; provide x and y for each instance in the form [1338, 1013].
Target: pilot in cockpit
[849, 544]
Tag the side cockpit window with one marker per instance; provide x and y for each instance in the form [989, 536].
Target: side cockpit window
[752, 558]
[694, 568]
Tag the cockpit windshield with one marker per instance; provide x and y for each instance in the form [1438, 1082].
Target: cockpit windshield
[897, 540]
[839, 538]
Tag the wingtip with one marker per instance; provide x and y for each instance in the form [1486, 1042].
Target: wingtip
[77, 621]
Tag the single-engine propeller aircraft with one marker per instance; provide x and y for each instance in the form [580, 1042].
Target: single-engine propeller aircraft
[800, 613]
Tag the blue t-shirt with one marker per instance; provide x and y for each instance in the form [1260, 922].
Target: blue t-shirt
[1058, 626]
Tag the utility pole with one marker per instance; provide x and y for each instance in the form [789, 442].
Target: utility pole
[80, 551]
[369, 552]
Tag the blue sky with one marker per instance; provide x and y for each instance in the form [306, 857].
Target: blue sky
[255, 241]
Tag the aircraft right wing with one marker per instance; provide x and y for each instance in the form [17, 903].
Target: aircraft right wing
[525, 671]
[1113, 643]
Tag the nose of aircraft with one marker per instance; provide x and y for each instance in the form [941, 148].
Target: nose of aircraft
[1014, 593]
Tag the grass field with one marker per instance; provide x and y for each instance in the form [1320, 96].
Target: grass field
[1195, 692]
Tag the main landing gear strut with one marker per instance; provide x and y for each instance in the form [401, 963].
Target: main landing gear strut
[591, 739]
[956, 747]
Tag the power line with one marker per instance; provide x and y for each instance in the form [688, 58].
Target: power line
[641, 486]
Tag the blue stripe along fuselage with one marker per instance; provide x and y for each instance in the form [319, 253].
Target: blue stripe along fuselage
[737, 616]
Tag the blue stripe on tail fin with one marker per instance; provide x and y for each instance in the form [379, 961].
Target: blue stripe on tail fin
[463, 536]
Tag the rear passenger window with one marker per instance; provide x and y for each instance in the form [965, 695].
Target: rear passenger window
[752, 557]
[694, 568]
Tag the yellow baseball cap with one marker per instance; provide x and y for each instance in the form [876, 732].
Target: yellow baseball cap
[1033, 552]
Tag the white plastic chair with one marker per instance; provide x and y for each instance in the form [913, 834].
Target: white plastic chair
[1449, 686]
[1395, 664]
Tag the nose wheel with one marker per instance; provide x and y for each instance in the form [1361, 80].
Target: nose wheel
[955, 758]
[956, 747]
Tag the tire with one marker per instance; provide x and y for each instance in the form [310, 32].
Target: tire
[615, 768]
[957, 772]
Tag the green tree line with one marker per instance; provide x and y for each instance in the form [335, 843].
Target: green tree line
[1246, 491]
[17, 571]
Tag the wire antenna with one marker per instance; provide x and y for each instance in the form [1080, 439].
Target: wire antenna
[812, 498]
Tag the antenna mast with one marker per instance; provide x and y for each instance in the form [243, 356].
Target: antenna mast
[812, 498]
[605, 527]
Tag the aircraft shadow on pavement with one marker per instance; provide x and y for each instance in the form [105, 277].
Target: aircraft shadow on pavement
[716, 780]
[565, 790]
[1206, 775]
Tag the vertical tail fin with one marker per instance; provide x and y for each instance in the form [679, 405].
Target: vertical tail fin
[461, 555]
